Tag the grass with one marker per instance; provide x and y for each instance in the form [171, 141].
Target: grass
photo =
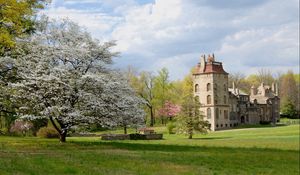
[270, 150]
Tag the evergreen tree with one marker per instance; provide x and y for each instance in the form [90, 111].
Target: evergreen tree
[191, 118]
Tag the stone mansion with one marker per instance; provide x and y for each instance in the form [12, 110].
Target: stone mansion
[226, 107]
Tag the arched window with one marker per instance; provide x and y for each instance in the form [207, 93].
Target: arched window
[197, 88]
[208, 87]
[225, 99]
[208, 99]
[225, 87]
[208, 113]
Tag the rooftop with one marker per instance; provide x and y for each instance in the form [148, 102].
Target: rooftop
[237, 91]
[209, 66]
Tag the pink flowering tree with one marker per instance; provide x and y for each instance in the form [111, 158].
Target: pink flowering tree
[169, 110]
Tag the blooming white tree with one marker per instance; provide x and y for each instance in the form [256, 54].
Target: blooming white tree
[65, 77]
[129, 106]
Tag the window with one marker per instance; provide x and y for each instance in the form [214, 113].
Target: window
[215, 87]
[197, 88]
[208, 99]
[217, 126]
[225, 114]
[217, 113]
[226, 125]
[208, 113]
[208, 87]
[225, 87]
[221, 125]
[225, 99]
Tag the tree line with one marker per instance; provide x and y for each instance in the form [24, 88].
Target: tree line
[163, 94]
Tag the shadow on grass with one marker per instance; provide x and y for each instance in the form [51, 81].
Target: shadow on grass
[212, 138]
[170, 148]
[246, 126]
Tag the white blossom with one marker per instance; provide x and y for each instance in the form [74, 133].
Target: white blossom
[65, 76]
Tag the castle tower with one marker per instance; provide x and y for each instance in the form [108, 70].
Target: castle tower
[211, 87]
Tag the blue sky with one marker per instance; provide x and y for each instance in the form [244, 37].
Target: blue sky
[246, 35]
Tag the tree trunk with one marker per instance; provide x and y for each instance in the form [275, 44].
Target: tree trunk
[190, 136]
[62, 137]
[151, 117]
[125, 130]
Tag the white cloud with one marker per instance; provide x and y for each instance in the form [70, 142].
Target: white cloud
[171, 33]
[95, 22]
[81, 1]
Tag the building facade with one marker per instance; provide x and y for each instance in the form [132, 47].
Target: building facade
[226, 107]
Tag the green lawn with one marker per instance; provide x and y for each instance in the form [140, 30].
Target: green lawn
[270, 150]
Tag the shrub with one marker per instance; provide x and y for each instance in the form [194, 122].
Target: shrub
[288, 109]
[37, 124]
[21, 128]
[265, 122]
[3, 131]
[171, 126]
[47, 132]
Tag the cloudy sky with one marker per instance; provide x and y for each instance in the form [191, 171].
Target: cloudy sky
[246, 35]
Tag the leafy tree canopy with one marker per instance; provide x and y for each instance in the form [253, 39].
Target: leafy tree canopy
[17, 19]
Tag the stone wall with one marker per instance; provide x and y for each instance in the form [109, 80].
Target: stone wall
[115, 137]
[132, 136]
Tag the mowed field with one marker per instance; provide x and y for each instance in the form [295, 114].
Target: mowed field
[270, 150]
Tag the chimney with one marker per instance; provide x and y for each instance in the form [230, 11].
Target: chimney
[233, 87]
[276, 89]
[253, 90]
[273, 87]
[263, 92]
[202, 63]
[262, 89]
